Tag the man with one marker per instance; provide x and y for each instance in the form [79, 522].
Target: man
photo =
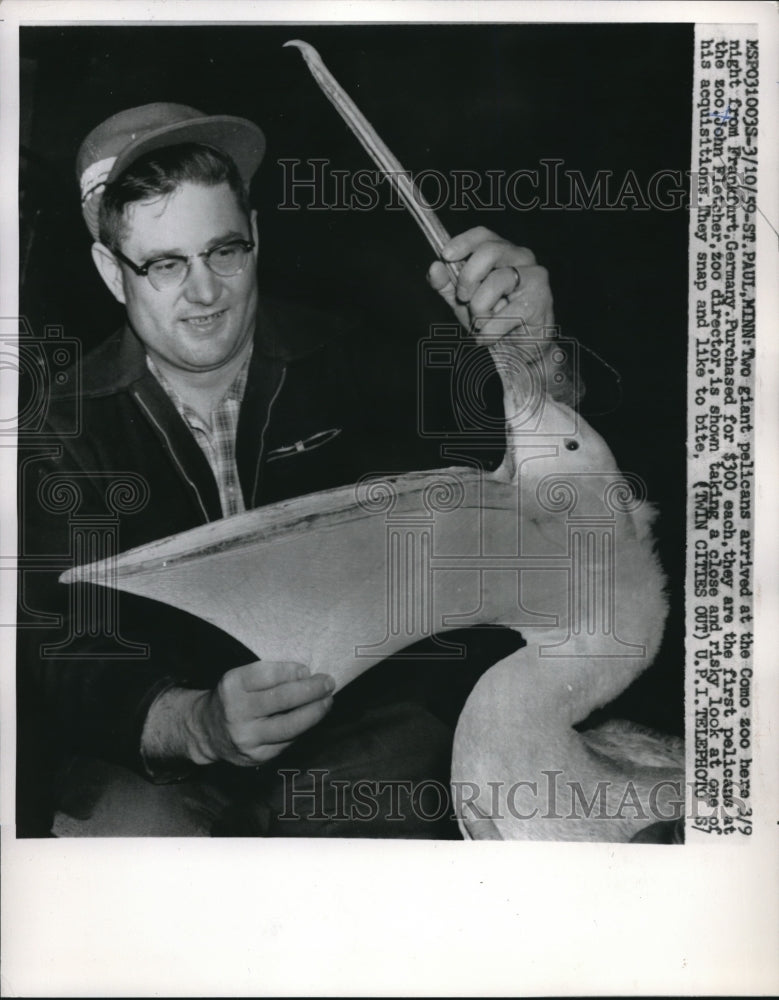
[209, 402]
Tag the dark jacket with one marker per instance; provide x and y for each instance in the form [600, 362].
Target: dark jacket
[310, 420]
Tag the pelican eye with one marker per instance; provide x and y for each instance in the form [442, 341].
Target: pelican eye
[571, 445]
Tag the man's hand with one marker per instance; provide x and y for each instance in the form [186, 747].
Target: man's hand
[502, 291]
[251, 715]
[494, 273]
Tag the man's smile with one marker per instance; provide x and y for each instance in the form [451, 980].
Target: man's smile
[205, 320]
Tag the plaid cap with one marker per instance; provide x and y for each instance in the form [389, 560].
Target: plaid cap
[120, 140]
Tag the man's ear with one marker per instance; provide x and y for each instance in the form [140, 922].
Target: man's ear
[109, 269]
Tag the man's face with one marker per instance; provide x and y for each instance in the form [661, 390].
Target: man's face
[206, 321]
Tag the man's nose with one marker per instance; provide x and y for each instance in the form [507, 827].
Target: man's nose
[201, 284]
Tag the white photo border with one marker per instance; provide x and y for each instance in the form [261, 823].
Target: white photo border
[175, 917]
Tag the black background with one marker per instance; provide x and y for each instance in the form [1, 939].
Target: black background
[447, 97]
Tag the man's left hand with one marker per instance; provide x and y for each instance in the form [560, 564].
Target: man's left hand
[494, 273]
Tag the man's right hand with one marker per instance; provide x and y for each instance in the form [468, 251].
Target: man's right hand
[251, 715]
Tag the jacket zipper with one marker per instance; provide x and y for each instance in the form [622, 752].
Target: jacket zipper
[173, 454]
[275, 396]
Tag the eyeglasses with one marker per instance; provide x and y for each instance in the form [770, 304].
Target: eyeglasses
[225, 260]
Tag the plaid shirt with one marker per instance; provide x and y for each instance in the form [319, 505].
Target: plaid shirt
[217, 441]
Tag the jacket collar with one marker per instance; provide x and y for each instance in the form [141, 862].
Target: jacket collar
[285, 332]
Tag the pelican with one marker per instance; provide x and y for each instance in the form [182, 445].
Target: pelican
[556, 544]
[520, 768]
